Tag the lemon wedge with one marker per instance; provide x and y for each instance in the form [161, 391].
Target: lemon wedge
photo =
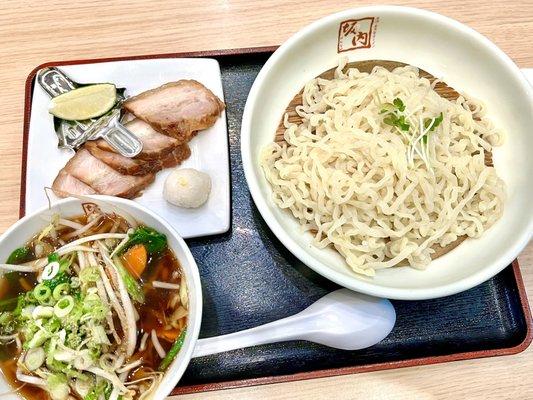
[85, 102]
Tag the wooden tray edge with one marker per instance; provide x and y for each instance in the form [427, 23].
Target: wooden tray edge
[282, 378]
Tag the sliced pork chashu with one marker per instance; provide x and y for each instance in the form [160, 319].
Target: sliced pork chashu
[66, 184]
[124, 165]
[133, 166]
[104, 179]
[177, 109]
[180, 153]
[155, 144]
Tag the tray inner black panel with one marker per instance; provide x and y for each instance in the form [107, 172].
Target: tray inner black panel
[249, 279]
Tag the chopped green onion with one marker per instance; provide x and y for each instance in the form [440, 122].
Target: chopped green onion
[83, 386]
[34, 358]
[57, 386]
[75, 282]
[60, 278]
[83, 361]
[8, 323]
[5, 318]
[53, 325]
[21, 303]
[43, 312]
[89, 274]
[64, 306]
[37, 340]
[53, 257]
[96, 391]
[42, 293]
[99, 335]
[50, 271]
[61, 290]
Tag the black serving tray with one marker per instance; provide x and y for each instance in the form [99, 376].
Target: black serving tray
[249, 279]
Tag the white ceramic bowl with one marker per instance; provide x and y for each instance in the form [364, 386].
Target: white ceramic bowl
[460, 56]
[31, 224]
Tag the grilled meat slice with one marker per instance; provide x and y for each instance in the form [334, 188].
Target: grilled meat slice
[181, 153]
[124, 165]
[104, 179]
[65, 184]
[155, 145]
[177, 108]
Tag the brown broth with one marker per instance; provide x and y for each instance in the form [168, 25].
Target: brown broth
[154, 313]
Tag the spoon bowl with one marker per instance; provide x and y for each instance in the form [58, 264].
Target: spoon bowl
[342, 319]
[347, 320]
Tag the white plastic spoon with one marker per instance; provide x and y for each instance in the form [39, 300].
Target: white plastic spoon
[342, 319]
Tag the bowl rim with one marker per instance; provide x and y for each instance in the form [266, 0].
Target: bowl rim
[352, 282]
[175, 371]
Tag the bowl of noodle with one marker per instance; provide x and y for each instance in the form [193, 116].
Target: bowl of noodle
[387, 148]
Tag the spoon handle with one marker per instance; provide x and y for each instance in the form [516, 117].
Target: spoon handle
[277, 331]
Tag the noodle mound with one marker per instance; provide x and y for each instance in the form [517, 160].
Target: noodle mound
[379, 195]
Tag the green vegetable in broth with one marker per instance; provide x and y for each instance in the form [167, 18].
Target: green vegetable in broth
[132, 285]
[19, 256]
[173, 352]
[154, 241]
[8, 304]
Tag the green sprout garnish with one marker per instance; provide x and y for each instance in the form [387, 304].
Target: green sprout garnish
[398, 103]
[432, 124]
[394, 118]
[399, 122]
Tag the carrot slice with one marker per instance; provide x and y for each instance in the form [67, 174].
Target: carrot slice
[169, 335]
[135, 260]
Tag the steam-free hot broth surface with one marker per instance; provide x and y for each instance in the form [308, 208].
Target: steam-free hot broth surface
[110, 299]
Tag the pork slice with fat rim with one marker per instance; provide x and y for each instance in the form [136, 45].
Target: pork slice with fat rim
[65, 185]
[124, 165]
[104, 179]
[180, 154]
[156, 145]
[177, 108]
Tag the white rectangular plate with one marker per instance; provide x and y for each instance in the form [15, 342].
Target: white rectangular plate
[209, 148]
